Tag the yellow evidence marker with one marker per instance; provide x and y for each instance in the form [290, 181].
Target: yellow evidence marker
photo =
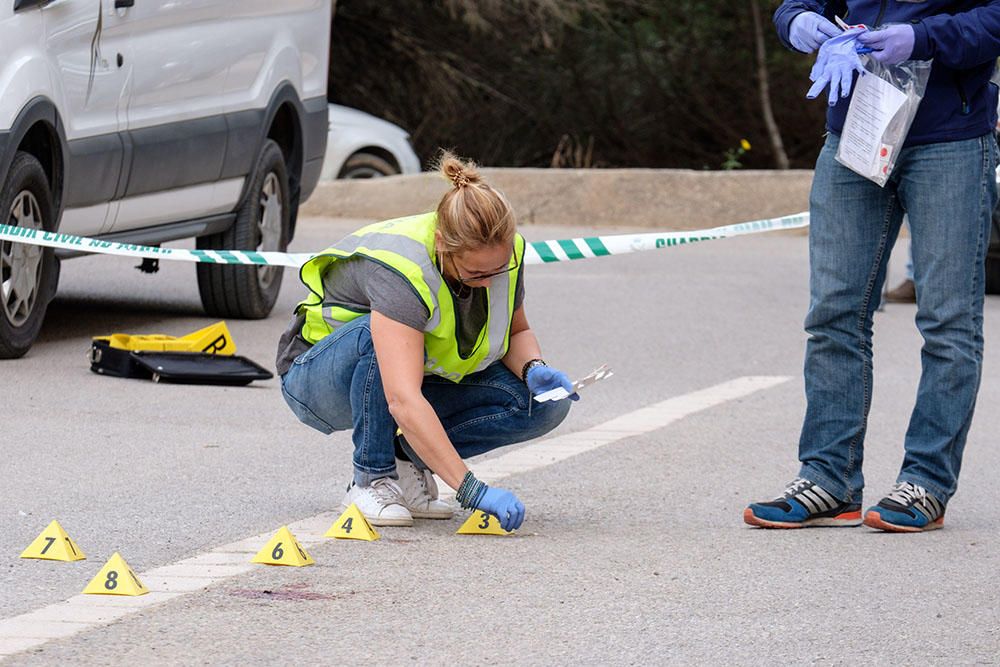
[482, 523]
[283, 549]
[352, 525]
[115, 578]
[54, 544]
[213, 339]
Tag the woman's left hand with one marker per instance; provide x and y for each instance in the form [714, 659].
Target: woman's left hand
[545, 378]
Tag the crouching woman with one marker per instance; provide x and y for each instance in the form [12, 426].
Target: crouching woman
[414, 337]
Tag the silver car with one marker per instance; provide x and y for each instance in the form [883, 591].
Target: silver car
[360, 145]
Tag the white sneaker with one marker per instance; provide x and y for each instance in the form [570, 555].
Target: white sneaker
[420, 492]
[381, 503]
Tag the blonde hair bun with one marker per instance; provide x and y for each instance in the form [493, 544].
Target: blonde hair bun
[472, 214]
[461, 173]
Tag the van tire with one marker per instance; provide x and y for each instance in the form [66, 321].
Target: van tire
[243, 291]
[23, 306]
[993, 255]
[993, 275]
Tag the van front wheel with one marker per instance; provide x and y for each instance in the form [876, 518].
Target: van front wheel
[27, 272]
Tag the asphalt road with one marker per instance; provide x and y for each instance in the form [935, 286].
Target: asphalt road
[634, 553]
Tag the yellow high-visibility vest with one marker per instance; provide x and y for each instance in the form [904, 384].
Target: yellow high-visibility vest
[406, 246]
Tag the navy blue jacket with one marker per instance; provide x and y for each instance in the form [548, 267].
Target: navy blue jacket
[963, 38]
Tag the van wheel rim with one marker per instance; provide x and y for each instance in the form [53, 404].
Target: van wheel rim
[269, 226]
[20, 263]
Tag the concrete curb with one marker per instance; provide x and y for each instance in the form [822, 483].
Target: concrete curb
[668, 199]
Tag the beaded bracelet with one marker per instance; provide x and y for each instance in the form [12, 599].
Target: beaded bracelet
[463, 488]
[470, 491]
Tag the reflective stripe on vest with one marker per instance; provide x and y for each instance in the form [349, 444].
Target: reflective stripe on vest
[406, 246]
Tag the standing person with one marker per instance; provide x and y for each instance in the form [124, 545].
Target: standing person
[419, 324]
[905, 291]
[944, 181]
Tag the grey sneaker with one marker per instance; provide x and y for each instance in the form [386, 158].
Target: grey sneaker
[381, 503]
[420, 492]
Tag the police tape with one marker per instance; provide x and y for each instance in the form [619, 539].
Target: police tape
[562, 250]
[536, 252]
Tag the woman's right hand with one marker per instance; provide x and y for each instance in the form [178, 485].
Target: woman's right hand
[504, 505]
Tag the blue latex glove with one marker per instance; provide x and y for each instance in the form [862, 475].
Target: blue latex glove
[543, 378]
[504, 505]
[809, 30]
[890, 45]
[835, 65]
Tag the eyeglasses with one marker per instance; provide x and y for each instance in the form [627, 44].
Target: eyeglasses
[464, 280]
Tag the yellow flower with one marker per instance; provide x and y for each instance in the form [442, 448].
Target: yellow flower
[745, 144]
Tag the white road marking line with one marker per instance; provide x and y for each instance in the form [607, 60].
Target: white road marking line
[638, 422]
[84, 612]
[12, 645]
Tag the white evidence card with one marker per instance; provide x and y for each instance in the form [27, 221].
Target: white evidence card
[557, 394]
[874, 104]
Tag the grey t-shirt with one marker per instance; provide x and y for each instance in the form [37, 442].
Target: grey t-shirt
[361, 284]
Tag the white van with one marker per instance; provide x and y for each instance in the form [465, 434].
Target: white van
[154, 120]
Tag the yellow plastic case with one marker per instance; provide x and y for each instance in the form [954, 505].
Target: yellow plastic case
[205, 356]
[213, 339]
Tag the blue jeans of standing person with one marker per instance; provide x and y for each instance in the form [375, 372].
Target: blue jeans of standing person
[336, 385]
[948, 191]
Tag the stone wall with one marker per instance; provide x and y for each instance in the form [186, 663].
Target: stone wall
[669, 199]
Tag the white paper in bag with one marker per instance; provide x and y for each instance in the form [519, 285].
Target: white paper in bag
[862, 148]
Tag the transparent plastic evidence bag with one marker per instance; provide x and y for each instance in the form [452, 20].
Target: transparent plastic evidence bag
[882, 108]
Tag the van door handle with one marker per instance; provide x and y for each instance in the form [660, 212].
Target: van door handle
[27, 4]
[122, 4]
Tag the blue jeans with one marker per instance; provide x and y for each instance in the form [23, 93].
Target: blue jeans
[948, 192]
[336, 385]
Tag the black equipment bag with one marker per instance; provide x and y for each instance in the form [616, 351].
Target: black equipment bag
[178, 367]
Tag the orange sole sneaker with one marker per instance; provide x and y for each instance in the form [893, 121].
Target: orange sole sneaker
[845, 520]
[875, 520]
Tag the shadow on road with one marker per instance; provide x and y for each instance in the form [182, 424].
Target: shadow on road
[71, 317]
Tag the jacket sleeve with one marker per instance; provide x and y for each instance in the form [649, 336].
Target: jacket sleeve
[960, 41]
[788, 10]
